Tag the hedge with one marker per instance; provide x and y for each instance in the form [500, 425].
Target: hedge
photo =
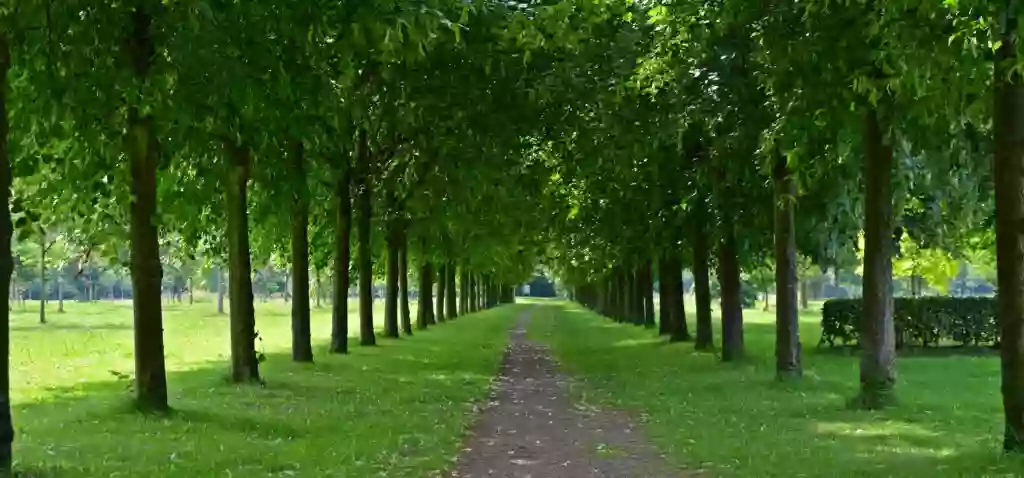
[923, 321]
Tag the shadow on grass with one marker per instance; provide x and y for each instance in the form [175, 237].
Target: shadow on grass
[736, 420]
[398, 409]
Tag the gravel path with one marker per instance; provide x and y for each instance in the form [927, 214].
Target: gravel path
[531, 429]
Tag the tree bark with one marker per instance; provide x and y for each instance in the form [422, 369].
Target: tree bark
[365, 207]
[391, 281]
[463, 290]
[474, 299]
[1009, 193]
[442, 282]
[803, 294]
[878, 334]
[787, 332]
[42, 280]
[732, 294]
[302, 346]
[6, 266]
[60, 291]
[319, 286]
[143, 154]
[403, 283]
[647, 291]
[701, 280]
[450, 310]
[244, 361]
[342, 258]
[664, 294]
[673, 277]
[425, 309]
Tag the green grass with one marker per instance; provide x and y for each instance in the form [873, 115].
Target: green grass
[735, 420]
[399, 409]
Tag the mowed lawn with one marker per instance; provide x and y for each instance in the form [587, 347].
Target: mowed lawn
[735, 420]
[398, 409]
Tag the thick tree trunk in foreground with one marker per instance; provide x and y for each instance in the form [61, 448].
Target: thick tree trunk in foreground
[302, 346]
[673, 277]
[701, 281]
[878, 334]
[450, 293]
[442, 283]
[664, 311]
[365, 209]
[732, 295]
[391, 282]
[1009, 190]
[425, 309]
[244, 362]
[342, 259]
[6, 268]
[403, 284]
[647, 288]
[787, 335]
[143, 152]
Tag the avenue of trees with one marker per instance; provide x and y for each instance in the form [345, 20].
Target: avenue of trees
[461, 141]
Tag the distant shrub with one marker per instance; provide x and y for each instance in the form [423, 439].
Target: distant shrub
[924, 321]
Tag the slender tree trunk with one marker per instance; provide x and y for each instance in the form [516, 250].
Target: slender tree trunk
[403, 283]
[244, 361]
[302, 342]
[143, 152]
[391, 281]
[442, 282]
[365, 207]
[647, 290]
[450, 309]
[342, 257]
[463, 290]
[803, 294]
[878, 335]
[701, 280]
[732, 298]
[191, 299]
[6, 267]
[474, 300]
[319, 286]
[220, 290]
[664, 309]
[673, 276]
[425, 310]
[42, 281]
[1009, 191]
[60, 291]
[787, 335]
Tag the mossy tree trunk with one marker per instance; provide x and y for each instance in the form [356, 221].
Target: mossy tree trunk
[403, 283]
[787, 335]
[244, 362]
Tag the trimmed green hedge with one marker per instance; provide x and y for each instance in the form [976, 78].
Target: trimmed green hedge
[923, 321]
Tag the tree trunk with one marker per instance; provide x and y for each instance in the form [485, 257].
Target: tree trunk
[244, 361]
[787, 334]
[6, 267]
[1009, 192]
[191, 299]
[803, 294]
[60, 291]
[342, 257]
[463, 290]
[391, 279]
[302, 346]
[701, 280]
[732, 294]
[664, 294]
[450, 309]
[425, 309]
[673, 277]
[319, 286]
[647, 290]
[403, 283]
[42, 281]
[442, 282]
[220, 290]
[878, 335]
[474, 300]
[365, 207]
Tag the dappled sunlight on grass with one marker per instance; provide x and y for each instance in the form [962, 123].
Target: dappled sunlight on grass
[736, 420]
[398, 409]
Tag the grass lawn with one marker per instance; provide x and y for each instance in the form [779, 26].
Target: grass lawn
[735, 420]
[399, 409]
